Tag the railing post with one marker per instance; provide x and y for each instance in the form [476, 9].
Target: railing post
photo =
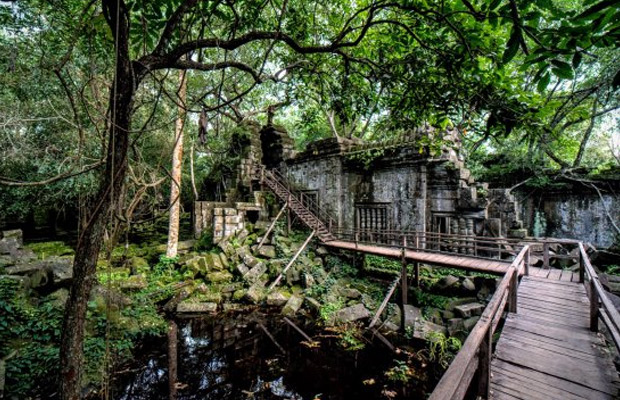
[546, 254]
[593, 306]
[484, 365]
[582, 266]
[416, 271]
[512, 293]
[526, 262]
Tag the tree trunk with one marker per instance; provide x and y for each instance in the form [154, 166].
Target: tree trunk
[106, 202]
[177, 163]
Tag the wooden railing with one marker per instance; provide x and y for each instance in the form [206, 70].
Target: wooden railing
[475, 355]
[297, 197]
[600, 304]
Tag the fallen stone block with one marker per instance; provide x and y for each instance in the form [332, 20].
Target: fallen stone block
[292, 306]
[469, 309]
[219, 276]
[351, 314]
[267, 251]
[276, 299]
[188, 307]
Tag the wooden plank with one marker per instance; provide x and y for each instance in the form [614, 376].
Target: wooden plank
[529, 324]
[554, 274]
[530, 390]
[557, 365]
[541, 379]
[574, 346]
[566, 276]
[532, 342]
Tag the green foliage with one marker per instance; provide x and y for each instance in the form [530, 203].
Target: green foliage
[205, 242]
[365, 158]
[425, 299]
[442, 349]
[401, 372]
[46, 249]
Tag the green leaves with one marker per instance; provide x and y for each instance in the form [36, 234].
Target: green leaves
[562, 69]
[512, 47]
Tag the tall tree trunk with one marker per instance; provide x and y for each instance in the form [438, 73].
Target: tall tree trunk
[177, 163]
[106, 202]
[586, 137]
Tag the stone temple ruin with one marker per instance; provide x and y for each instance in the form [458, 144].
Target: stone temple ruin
[395, 185]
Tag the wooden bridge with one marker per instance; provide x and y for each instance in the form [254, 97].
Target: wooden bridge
[549, 346]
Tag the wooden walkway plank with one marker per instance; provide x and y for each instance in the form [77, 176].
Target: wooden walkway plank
[546, 350]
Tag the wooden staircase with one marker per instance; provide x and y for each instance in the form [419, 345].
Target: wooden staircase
[303, 206]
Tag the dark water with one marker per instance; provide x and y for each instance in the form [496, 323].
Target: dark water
[233, 358]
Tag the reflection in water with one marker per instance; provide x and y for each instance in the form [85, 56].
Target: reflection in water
[232, 359]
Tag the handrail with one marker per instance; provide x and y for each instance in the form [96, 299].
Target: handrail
[608, 312]
[308, 204]
[475, 355]
[306, 201]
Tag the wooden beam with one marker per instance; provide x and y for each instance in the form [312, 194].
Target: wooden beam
[298, 329]
[273, 339]
[384, 303]
[303, 246]
[271, 226]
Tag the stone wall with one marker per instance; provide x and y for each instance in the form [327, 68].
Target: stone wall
[323, 176]
[571, 215]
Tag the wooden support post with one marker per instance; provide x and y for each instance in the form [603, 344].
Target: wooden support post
[288, 215]
[403, 289]
[264, 239]
[526, 262]
[512, 292]
[303, 246]
[546, 255]
[484, 365]
[273, 339]
[593, 306]
[582, 265]
[416, 272]
[384, 303]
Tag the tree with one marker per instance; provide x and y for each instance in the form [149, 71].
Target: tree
[177, 163]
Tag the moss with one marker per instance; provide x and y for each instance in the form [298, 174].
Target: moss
[47, 249]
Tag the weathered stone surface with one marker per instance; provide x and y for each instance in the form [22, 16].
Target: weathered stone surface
[186, 245]
[313, 303]
[6, 261]
[321, 251]
[138, 264]
[255, 273]
[15, 234]
[196, 307]
[412, 314]
[350, 314]
[350, 293]
[250, 260]
[292, 305]
[224, 260]
[451, 306]
[256, 293]
[219, 276]
[134, 282]
[213, 262]
[267, 251]
[308, 280]
[470, 322]
[447, 282]
[423, 328]
[276, 299]
[469, 309]
[226, 247]
[468, 285]
[25, 269]
[242, 269]
[198, 265]
[455, 325]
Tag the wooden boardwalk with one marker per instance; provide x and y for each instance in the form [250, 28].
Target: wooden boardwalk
[546, 349]
[434, 258]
